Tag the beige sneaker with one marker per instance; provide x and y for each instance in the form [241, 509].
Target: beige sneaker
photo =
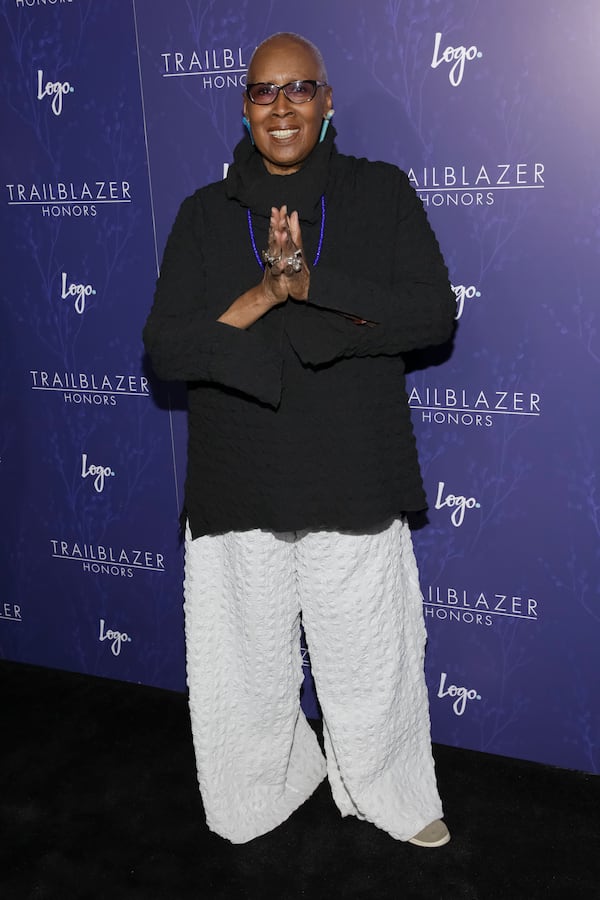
[433, 835]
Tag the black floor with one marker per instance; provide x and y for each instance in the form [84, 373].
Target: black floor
[99, 800]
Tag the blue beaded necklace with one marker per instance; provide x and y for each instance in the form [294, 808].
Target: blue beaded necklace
[318, 253]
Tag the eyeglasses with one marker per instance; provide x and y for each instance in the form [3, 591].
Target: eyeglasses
[263, 93]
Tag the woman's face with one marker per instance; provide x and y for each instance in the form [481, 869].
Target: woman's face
[286, 132]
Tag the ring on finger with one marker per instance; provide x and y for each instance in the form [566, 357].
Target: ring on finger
[295, 262]
[270, 259]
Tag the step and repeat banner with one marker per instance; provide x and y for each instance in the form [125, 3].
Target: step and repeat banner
[113, 111]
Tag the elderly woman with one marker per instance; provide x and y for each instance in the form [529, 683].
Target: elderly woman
[287, 295]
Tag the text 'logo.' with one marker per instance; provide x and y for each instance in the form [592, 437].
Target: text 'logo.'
[461, 694]
[55, 89]
[79, 291]
[117, 638]
[99, 473]
[462, 293]
[457, 56]
[457, 503]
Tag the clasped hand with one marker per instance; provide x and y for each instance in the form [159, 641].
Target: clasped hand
[280, 281]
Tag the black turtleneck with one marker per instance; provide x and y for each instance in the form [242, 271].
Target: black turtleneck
[249, 182]
[301, 420]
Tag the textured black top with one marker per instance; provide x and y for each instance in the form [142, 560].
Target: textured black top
[301, 420]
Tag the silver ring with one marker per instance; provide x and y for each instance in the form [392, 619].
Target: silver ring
[270, 260]
[295, 261]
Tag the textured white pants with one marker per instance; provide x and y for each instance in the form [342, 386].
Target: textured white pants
[257, 757]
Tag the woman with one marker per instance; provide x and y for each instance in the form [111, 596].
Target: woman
[302, 463]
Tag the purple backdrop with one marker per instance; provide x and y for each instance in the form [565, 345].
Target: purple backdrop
[117, 110]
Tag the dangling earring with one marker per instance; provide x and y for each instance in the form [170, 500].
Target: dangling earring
[246, 124]
[325, 125]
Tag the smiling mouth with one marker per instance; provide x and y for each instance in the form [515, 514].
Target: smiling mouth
[283, 133]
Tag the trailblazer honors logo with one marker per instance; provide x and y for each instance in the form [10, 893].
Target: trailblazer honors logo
[455, 57]
[54, 91]
[452, 406]
[10, 612]
[448, 604]
[99, 474]
[78, 199]
[476, 185]
[456, 503]
[459, 695]
[90, 388]
[217, 68]
[78, 292]
[21, 4]
[99, 559]
[116, 638]
[462, 293]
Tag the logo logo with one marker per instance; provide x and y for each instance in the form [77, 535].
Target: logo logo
[463, 293]
[455, 502]
[458, 56]
[99, 473]
[477, 185]
[102, 560]
[79, 291]
[452, 406]
[90, 388]
[218, 68]
[448, 604]
[10, 612]
[117, 638]
[462, 694]
[55, 89]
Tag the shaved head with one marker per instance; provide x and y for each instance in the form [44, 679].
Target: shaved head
[283, 38]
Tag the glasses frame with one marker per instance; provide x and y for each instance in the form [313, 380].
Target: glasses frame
[282, 87]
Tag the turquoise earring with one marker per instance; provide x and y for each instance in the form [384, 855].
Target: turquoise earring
[325, 125]
[246, 124]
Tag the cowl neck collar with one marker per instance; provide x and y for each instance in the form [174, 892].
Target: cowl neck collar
[249, 182]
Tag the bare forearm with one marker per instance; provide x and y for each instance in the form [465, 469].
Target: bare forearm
[248, 308]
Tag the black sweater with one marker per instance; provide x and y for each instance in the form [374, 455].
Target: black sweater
[301, 420]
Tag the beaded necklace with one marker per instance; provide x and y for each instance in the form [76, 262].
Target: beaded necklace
[318, 253]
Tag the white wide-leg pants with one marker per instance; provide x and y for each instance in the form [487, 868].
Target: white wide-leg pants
[361, 606]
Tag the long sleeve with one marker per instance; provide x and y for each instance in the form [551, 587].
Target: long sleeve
[182, 336]
[405, 297]
[284, 416]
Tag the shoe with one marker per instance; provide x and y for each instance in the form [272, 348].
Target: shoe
[433, 835]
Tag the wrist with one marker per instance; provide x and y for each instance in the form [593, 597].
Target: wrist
[266, 297]
[300, 287]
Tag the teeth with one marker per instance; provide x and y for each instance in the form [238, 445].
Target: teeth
[284, 134]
